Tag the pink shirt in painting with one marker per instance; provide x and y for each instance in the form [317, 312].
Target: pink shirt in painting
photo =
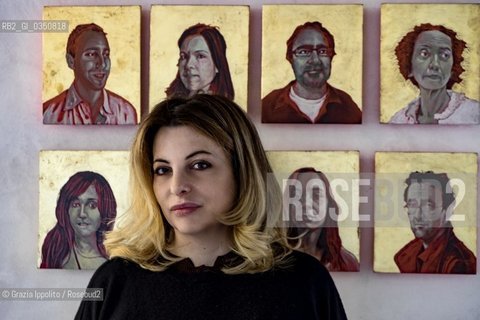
[460, 110]
[69, 108]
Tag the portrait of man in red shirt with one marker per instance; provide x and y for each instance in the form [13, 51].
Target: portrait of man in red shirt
[429, 201]
[310, 98]
[87, 101]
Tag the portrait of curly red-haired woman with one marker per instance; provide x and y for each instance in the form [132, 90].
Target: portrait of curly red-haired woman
[430, 71]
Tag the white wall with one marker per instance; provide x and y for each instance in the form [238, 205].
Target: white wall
[366, 295]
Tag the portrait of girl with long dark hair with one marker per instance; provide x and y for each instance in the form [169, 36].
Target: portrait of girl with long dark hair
[85, 210]
[313, 226]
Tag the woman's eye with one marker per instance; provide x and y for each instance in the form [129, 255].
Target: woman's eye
[160, 171]
[423, 53]
[445, 55]
[93, 205]
[201, 165]
[75, 205]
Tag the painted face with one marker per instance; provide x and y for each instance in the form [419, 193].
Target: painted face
[424, 205]
[311, 70]
[91, 64]
[84, 214]
[193, 181]
[195, 65]
[432, 60]
[313, 199]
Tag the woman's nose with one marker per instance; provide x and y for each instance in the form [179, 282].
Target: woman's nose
[190, 62]
[180, 184]
[83, 213]
[434, 62]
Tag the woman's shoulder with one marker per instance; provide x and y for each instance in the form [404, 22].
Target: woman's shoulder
[116, 267]
[407, 114]
[118, 263]
[313, 282]
[307, 265]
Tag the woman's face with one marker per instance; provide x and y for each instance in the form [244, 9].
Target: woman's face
[195, 66]
[84, 215]
[313, 199]
[432, 60]
[193, 182]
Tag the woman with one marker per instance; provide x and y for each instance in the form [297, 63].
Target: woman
[202, 65]
[315, 226]
[430, 57]
[86, 209]
[202, 239]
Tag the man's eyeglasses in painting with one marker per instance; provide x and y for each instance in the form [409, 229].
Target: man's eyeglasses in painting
[306, 51]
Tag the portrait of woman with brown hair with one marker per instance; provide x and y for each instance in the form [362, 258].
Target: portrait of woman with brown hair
[202, 64]
[312, 226]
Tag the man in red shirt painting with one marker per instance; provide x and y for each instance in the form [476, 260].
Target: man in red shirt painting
[435, 249]
[310, 98]
[87, 101]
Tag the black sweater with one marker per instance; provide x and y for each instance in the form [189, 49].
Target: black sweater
[301, 292]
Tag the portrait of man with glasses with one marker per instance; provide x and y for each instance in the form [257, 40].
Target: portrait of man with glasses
[429, 202]
[310, 98]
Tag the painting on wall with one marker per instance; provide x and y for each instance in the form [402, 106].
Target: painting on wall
[82, 193]
[306, 52]
[425, 212]
[199, 49]
[430, 68]
[91, 75]
[321, 204]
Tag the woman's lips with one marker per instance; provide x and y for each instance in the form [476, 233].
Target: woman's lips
[83, 224]
[184, 209]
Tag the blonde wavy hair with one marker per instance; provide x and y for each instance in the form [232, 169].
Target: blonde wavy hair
[255, 219]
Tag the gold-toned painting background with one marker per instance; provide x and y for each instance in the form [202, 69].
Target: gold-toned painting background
[56, 167]
[334, 164]
[345, 23]
[392, 234]
[122, 25]
[397, 20]
[167, 23]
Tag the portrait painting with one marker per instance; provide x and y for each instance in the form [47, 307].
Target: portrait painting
[82, 195]
[425, 213]
[429, 60]
[91, 74]
[199, 49]
[312, 58]
[321, 204]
